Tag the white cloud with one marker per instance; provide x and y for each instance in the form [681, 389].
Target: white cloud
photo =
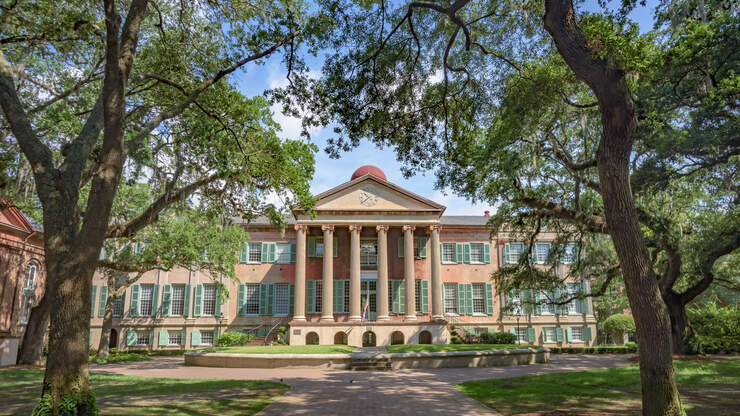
[290, 126]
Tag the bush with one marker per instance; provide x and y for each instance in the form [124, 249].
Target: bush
[497, 338]
[716, 330]
[230, 338]
[616, 326]
[603, 349]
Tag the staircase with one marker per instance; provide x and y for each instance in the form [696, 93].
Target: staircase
[371, 359]
[258, 341]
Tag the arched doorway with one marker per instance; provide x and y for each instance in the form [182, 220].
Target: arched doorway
[113, 342]
[397, 338]
[425, 337]
[312, 338]
[340, 338]
[368, 339]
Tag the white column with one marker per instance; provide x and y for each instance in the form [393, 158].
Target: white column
[327, 285]
[299, 298]
[434, 257]
[354, 274]
[408, 272]
[382, 298]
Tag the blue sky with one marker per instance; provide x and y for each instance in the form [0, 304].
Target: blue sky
[332, 172]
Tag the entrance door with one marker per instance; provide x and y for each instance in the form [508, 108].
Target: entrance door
[368, 288]
[368, 339]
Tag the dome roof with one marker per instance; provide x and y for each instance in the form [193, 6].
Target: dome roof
[373, 170]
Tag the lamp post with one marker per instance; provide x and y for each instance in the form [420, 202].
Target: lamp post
[518, 339]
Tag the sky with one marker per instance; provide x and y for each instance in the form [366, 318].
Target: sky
[332, 172]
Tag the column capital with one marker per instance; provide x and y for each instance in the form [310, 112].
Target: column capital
[355, 227]
[300, 227]
[381, 228]
[435, 227]
[327, 227]
[409, 227]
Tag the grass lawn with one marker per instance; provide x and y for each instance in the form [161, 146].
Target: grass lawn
[128, 395]
[285, 349]
[450, 347]
[706, 388]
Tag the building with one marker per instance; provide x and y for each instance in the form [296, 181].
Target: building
[376, 265]
[21, 277]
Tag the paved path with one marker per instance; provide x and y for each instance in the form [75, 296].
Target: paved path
[400, 392]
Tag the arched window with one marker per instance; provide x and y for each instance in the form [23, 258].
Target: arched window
[368, 339]
[312, 338]
[31, 272]
[340, 338]
[397, 338]
[29, 287]
[425, 337]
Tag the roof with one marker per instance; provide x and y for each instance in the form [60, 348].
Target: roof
[37, 226]
[473, 220]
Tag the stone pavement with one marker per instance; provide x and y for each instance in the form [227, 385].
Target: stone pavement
[402, 392]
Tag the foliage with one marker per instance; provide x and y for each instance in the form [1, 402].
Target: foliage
[231, 338]
[118, 356]
[497, 338]
[716, 329]
[281, 339]
[600, 349]
[401, 348]
[77, 402]
[617, 326]
[605, 391]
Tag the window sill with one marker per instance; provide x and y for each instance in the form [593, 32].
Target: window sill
[452, 314]
[479, 314]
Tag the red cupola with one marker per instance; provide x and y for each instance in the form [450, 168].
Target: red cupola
[372, 170]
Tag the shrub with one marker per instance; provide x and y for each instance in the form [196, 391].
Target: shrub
[616, 326]
[281, 339]
[603, 349]
[234, 338]
[716, 330]
[497, 338]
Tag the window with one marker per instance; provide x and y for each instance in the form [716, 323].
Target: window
[253, 298]
[542, 252]
[282, 299]
[30, 283]
[177, 307]
[549, 335]
[29, 286]
[521, 334]
[571, 254]
[576, 334]
[319, 296]
[515, 250]
[142, 338]
[206, 337]
[476, 253]
[368, 253]
[175, 337]
[26, 309]
[283, 252]
[419, 245]
[417, 295]
[319, 247]
[145, 301]
[345, 308]
[450, 298]
[545, 307]
[572, 305]
[209, 299]
[479, 298]
[255, 253]
[515, 303]
[118, 304]
[448, 253]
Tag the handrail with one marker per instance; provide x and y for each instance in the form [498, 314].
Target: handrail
[277, 323]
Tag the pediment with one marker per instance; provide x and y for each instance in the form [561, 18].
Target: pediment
[9, 214]
[369, 193]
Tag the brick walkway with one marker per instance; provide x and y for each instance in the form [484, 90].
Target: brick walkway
[401, 392]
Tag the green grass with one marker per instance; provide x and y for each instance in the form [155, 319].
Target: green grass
[285, 349]
[705, 386]
[146, 396]
[450, 347]
[118, 356]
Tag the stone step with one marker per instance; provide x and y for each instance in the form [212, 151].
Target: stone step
[370, 363]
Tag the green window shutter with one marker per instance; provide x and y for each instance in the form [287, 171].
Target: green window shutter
[130, 336]
[195, 338]
[92, 301]
[487, 253]
[186, 308]
[401, 296]
[263, 299]
[466, 253]
[155, 298]
[559, 334]
[243, 253]
[89, 339]
[311, 242]
[338, 296]
[184, 337]
[507, 257]
[310, 296]
[400, 247]
[198, 300]
[217, 311]
[164, 338]
[271, 298]
[531, 335]
[423, 247]
[512, 331]
[584, 302]
[103, 301]
[489, 299]
[469, 298]
[292, 252]
[335, 247]
[166, 300]
[291, 299]
[441, 253]
[264, 252]
[570, 334]
[273, 252]
[587, 334]
[461, 304]
[458, 253]
[240, 300]
[134, 307]
[394, 296]
[424, 296]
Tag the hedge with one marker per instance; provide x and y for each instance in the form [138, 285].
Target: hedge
[601, 349]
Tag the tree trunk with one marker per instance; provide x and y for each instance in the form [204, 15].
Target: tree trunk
[609, 84]
[679, 322]
[32, 347]
[104, 345]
